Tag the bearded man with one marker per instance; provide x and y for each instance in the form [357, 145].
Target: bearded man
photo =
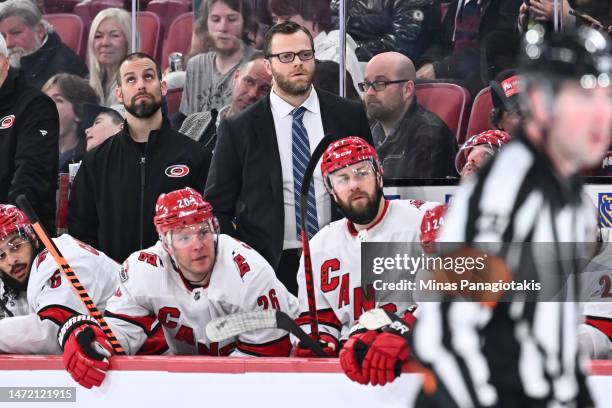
[113, 195]
[262, 153]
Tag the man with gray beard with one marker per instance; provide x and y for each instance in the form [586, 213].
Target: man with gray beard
[411, 141]
[261, 154]
[114, 192]
[34, 46]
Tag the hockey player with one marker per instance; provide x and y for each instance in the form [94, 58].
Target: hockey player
[595, 333]
[191, 276]
[35, 297]
[353, 177]
[513, 351]
[478, 150]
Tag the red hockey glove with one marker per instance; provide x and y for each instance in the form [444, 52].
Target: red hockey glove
[86, 351]
[328, 343]
[385, 357]
[354, 351]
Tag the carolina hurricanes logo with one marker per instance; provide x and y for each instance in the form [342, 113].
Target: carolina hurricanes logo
[7, 121]
[178, 170]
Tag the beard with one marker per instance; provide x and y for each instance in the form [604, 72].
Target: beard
[226, 50]
[12, 285]
[15, 55]
[365, 214]
[291, 86]
[376, 110]
[144, 108]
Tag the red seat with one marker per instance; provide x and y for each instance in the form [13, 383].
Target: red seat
[481, 110]
[168, 10]
[178, 38]
[88, 9]
[173, 99]
[149, 28]
[69, 27]
[449, 101]
[60, 6]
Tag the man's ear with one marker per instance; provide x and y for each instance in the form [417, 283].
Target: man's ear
[164, 87]
[542, 105]
[268, 66]
[40, 31]
[119, 94]
[409, 88]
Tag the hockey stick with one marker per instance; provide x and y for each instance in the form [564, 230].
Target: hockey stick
[312, 303]
[25, 206]
[235, 324]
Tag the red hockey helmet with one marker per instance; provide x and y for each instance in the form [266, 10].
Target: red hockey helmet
[12, 220]
[432, 221]
[492, 138]
[181, 208]
[345, 152]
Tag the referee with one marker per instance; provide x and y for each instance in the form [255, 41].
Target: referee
[517, 353]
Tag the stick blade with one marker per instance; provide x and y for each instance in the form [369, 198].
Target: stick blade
[232, 325]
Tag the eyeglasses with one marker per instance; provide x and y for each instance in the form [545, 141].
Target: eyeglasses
[185, 238]
[12, 247]
[341, 181]
[289, 56]
[378, 85]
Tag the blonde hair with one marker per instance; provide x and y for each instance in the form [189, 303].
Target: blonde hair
[95, 70]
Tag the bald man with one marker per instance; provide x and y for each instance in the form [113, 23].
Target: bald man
[411, 141]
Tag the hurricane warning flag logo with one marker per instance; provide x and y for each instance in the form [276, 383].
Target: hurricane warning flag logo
[178, 170]
[605, 209]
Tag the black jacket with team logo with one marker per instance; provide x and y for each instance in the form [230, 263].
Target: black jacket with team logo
[29, 128]
[112, 200]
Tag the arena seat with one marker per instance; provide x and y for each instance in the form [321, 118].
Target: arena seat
[449, 101]
[178, 38]
[479, 117]
[60, 6]
[149, 28]
[69, 27]
[168, 10]
[173, 99]
[88, 9]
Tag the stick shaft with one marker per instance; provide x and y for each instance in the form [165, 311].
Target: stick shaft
[64, 266]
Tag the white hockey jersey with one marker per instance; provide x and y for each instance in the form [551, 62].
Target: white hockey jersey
[596, 291]
[335, 252]
[52, 300]
[152, 287]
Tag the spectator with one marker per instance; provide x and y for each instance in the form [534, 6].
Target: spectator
[411, 141]
[505, 89]
[457, 52]
[101, 122]
[109, 41]
[34, 46]
[258, 145]
[251, 83]
[478, 150]
[327, 78]
[209, 75]
[315, 15]
[114, 192]
[405, 26]
[28, 142]
[69, 92]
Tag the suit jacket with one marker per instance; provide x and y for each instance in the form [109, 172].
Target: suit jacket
[245, 180]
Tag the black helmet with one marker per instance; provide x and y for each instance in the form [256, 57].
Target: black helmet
[582, 54]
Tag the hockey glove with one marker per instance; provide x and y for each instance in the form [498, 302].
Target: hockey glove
[328, 343]
[354, 351]
[385, 357]
[86, 350]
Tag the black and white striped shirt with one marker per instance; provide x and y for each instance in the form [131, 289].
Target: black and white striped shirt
[519, 348]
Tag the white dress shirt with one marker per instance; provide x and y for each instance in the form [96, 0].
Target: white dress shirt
[283, 121]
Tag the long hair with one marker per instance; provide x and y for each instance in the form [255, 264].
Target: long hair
[96, 72]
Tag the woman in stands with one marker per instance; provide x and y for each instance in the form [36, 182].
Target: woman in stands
[109, 41]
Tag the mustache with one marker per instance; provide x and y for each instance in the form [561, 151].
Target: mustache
[141, 94]
[17, 266]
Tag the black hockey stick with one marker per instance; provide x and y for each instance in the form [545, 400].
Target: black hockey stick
[235, 324]
[312, 303]
[25, 206]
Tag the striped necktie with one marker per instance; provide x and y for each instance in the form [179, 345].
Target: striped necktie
[301, 157]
